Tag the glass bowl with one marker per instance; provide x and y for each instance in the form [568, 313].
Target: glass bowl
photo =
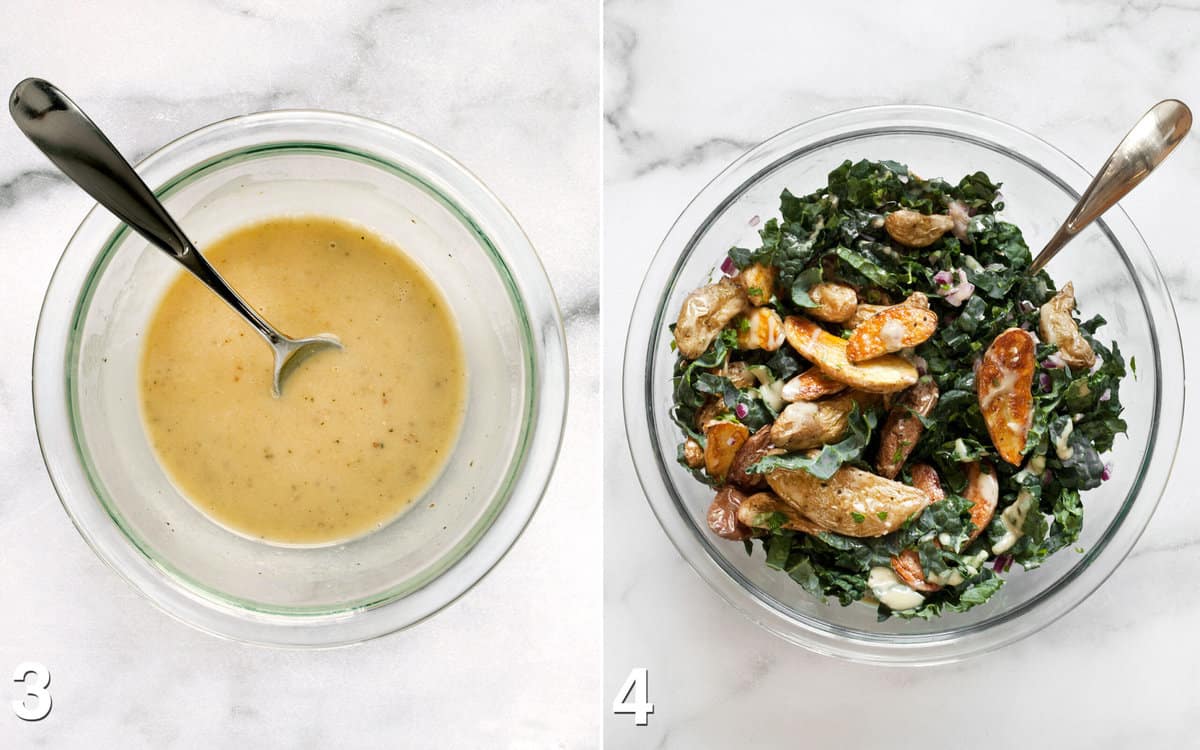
[87, 352]
[1114, 274]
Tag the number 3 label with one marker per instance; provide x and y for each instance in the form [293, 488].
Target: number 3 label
[635, 686]
[35, 706]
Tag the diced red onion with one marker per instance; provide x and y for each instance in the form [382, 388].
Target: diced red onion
[727, 266]
[1026, 306]
[1107, 473]
[1053, 362]
[1106, 395]
[1002, 563]
[943, 278]
[960, 292]
[1044, 381]
[741, 410]
[754, 220]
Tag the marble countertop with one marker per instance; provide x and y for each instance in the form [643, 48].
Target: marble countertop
[516, 663]
[688, 89]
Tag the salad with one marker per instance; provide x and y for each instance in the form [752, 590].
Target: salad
[885, 398]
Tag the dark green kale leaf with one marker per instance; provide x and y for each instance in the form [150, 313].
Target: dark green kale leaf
[785, 363]
[970, 593]
[1082, 467]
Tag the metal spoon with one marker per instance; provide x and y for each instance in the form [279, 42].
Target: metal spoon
[77, 147]
[1153, 137]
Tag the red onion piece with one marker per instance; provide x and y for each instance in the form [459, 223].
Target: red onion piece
[1053, 362]
[741, 410]
[960, 294]
[1002, 563]
[955, 288]
[1044, 381]
[727, 266]
[1107, 473]
[754, 220]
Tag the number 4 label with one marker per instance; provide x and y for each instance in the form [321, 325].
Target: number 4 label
[634, 697]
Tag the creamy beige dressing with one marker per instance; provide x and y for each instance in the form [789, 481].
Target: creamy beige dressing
[1003, 388]
[1013, 517]
[892, 334]
[890, 591]
[1062, 445]
[356, 436]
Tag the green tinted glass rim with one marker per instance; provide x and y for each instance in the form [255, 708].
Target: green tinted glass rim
[523, 439]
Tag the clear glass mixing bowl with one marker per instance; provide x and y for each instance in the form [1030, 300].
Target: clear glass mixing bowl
[1114, 274]
[108, 284]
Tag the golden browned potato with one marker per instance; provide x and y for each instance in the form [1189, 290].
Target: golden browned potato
[903, 427]
[723, 515]
[810, 385]
[851, 502]
[1004, 383]
[755, 447]
[756, 511]
[761, 328]
[811, 424]
[723, 439]
[885, 374]
[693, 454]
[713, 410]
[917, 300]
[863, 313]
[925, 478]
[1058, 327]
[705, 312]
[907, 566]
[915, 229]
[739, 374]
[866, 312]
[836, 303]
[891, 330]
[758, 280]
[983, 490]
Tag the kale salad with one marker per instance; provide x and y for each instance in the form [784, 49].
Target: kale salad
[885, 398]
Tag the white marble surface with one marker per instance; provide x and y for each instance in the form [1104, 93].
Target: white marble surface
[516, 663]
[687, 90]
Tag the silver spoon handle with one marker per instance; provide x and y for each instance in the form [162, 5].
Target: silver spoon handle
[1145, 146]
[70, 139]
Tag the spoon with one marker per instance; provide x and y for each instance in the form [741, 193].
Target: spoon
[1153, 137]
[77, 147]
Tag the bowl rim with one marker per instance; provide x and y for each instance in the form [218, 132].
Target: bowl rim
[648, 318]
[544, 402]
